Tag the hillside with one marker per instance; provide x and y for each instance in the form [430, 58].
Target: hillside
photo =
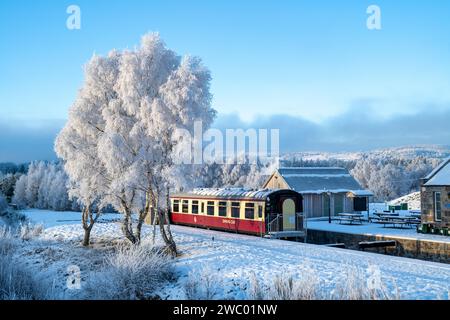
[406, 152]
[412, 199]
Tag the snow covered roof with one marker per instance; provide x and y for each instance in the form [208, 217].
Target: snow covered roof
[229, 193]
[322, 179]
[440, 176]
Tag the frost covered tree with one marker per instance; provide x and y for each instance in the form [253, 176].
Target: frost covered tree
[43, 187]
[3, 203]
[77, 143]
[7, 183]
[131, 105]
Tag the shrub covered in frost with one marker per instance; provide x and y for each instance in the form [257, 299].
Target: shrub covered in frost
[202, 284]
[30, 231]
[132, 272]
[356, 284]
[16, 281]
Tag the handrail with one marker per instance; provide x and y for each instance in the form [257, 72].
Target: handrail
[275, 224]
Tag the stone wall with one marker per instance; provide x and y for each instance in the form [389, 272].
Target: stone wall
[427, 204]
[418, 249]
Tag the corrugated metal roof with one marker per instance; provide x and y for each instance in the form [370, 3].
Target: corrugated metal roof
[228, 193]
[318, 180]
[440, 176]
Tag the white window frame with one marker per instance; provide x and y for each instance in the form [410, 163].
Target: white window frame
[435, 205]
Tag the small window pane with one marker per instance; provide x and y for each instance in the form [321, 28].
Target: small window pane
[222, 209]
[176, 206]
[195, 206]
[210, 208]
[235, 210]
[260, 211]
[249, 211]
[185, 206]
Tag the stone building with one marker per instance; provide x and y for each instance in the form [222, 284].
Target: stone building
[435, 196]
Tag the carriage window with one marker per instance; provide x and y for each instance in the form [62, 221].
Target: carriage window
[260, 211]
[203, 208]
[222, 209]
[249, 211]
[176, 206]
[210, 208]
[235, 210]
[194, 206]
[185, 206]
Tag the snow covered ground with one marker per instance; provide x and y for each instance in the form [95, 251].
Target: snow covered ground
[235, 258]
[50, 218]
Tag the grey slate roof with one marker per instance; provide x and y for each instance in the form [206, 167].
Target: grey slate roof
[440, 176]
[323, 179]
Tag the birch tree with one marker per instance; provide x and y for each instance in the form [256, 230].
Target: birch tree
[132, 111]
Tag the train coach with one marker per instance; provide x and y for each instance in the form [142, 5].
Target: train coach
[266, 212]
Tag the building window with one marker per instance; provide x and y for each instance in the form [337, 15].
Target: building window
[437, 206]
[176, 206]
[185, 206]
[195, 206]
[260, 211]
[235, 210]
[222, 208]
[210, 208]
[249, 211]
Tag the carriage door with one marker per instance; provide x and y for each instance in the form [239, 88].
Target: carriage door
[288, 209]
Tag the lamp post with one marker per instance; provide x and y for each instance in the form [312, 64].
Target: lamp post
[329, 206]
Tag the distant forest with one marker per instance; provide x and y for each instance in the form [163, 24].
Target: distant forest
[389, 175]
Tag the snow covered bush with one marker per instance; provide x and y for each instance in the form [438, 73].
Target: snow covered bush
[202, 284]
[17, 282]
[355, 284]
[358, 284]
[132, 272]
[29, 231]
[13, 218]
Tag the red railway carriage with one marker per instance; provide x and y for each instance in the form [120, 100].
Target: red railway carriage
[258, 212]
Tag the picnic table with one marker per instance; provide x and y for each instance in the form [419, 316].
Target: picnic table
[350, 218]
[382, 214]
[396, 221]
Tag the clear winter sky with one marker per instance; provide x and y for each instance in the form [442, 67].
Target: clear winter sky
[310, 68]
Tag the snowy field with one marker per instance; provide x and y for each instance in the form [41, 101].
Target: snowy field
[56, 218]
[235, 259]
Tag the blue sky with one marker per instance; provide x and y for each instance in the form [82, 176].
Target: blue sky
[310, 61]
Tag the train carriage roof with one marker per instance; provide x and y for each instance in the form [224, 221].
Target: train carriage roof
[229, 193]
